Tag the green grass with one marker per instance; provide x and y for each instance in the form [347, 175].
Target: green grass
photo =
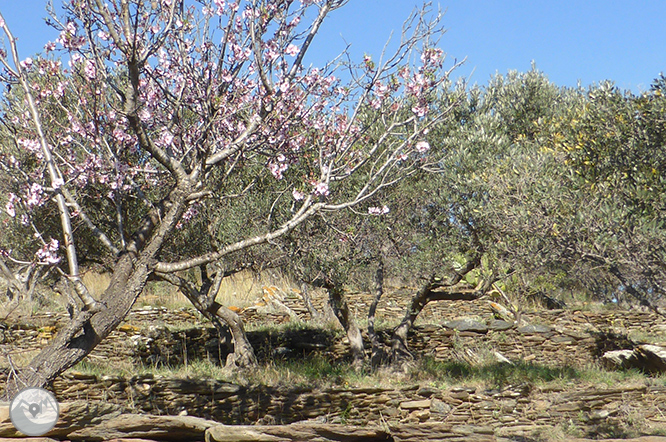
[494, 375]
[318, 370]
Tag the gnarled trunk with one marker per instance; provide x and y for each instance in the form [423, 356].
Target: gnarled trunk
[435, 290]
[378, 353]
[341, 310]
[93, 323]
[86, 330]
[203, 299]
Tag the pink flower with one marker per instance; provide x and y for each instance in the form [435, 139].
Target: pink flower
[9, 207]
[298, 195]
[420, 111]
[27, 63]
[48, 252]
[378, 211]
[35, 195]
[292, 50]
[89, 69]
[422, 146]
[321, 189]
[277, 169]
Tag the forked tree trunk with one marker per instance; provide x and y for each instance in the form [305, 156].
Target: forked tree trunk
[341, 309]
[243, 355]
[378, 354]
[433, 290]
[89, 327]
[203, 299]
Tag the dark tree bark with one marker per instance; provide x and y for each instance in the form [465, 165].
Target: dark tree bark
[377, 354]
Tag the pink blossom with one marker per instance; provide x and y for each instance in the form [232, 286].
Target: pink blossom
[292, 50]
[35, 194]
[432, 56]
[422, 146]
[277, 169]
[378, 211]
[27, 63]
[32, 146]
[9, 207]
[420, 110]
[165, 139]
[89, 69]
[48, 252]
[190, 213]
[145, 115]
[103, 36]
[298, 195]
[50, 46]
[321, 189]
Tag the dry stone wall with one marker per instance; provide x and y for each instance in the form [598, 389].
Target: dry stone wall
[511, 411]
[464, 331]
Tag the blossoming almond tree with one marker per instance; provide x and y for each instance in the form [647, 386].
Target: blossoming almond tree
[157, 108]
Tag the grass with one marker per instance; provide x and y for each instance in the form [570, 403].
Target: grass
[318, 370]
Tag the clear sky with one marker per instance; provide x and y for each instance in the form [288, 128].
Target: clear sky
[570, 41]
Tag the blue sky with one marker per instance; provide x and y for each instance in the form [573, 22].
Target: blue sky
[570, 41]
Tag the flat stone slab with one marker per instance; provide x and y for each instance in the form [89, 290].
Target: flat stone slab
[534, 328]
[499, 325]
[467, 325]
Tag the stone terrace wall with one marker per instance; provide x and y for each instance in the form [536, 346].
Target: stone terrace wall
[553, 338]
[514, 410]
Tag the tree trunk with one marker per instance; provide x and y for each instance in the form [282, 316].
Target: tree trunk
[341, 309]
[315, 315]
[91, 325]
[243, 355]
[399, 349]
[203, 299]
[378, 354]
[86, 330]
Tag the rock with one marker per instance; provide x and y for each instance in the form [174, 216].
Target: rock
[652, 358]
[500, 325]
[648, 358]
[619, 359]
[534, 328]
[163, 428]
[501, 312]
[413, 405]
[430, 431]
[30, 439]
[467, 325]
[440, 407]
[313, 432]
[499, 357]
[73, 416]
